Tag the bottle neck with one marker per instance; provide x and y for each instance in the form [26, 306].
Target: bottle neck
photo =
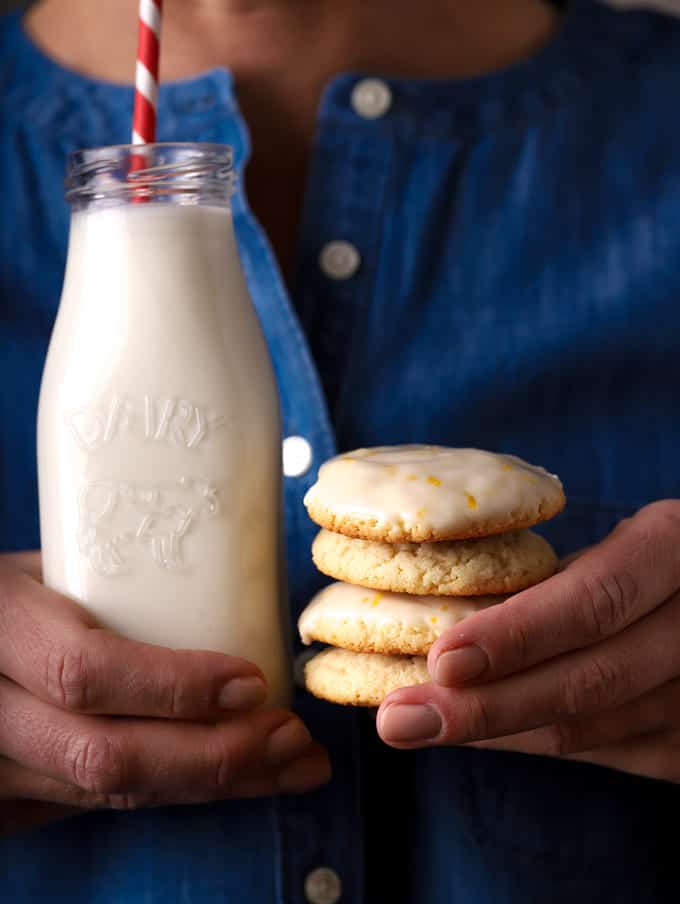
[173, 174]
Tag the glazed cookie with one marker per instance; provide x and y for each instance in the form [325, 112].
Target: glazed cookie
[362, 679]
[364, 621]
[414, 494]
[504, 563]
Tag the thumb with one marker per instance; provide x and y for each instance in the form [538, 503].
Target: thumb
[29, 563]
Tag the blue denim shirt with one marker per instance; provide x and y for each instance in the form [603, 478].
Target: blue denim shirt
[519, 290]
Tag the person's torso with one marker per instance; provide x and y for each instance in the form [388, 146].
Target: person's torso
[513, 284]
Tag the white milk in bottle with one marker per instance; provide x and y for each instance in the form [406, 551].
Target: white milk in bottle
[159, 441]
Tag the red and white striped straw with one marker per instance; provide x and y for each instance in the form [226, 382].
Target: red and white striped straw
[146, 73]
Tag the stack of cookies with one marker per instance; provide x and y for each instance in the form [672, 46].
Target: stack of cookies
[417, 538]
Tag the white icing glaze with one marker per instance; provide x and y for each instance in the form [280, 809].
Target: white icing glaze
[442, 489]
[348, 602]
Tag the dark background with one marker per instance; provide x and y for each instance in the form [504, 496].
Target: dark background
[7, 5]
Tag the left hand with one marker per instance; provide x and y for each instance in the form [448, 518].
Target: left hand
[584, 666]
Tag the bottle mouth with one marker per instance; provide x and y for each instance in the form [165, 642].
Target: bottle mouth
[180, 172]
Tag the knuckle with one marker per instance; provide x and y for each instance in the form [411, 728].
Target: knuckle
[609, 600]
[85, 800]
[658, 532]
[96, 801]
[477, 718]
[593, 685]
[130, 801]
[97, 764]
[224, 770]
[664, 511]
[173, 695]
[563, 738]
[520, 645]
[172, 683]
[66, 679]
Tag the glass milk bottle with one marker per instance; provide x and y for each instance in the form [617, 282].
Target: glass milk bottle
[159, 440]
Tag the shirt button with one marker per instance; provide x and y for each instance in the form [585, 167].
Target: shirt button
[297, 456]
[323, 886]
[339, 260]
[371, 98]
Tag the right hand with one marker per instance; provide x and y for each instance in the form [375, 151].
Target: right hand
[89, 719]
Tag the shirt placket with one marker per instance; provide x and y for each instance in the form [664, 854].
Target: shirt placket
[319, 835]
[321, 840]
[322, 833]
[340, 236]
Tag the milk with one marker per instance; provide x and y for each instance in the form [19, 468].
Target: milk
[159, 442]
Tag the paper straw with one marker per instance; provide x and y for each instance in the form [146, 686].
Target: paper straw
[146, 73]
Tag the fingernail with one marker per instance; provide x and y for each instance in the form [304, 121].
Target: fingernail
[405, 722]
[461, 665]
[242, 693]
[305, 774]
[287, 741]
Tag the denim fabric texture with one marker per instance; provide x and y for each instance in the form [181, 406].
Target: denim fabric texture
[519, 290]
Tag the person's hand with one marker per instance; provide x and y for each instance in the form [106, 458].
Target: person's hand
[585, 665]
[89, 719]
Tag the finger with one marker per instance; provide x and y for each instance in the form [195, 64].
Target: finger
[652, 756]
[656, 711]
[18, 783]
[304, 773]
[28, 562]
[26, 788]
[589, 681]
[168, 759]
[52, 647]
[599, 594]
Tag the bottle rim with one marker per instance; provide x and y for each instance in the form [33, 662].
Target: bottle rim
[180, 172]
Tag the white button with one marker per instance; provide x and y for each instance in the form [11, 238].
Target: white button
[297, 456]
[339, 260]
[323, 886]
[371, 98]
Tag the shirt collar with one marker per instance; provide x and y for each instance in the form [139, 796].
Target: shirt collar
[29, 78]
[591, 39]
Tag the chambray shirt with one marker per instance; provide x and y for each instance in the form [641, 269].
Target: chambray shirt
[513, 283]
